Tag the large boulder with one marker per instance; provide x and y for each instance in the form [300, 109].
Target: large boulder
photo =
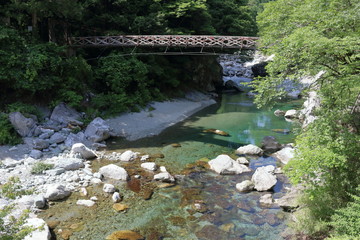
[76, 138]
[86, 153]
[57, 138]
[292, 114]
[66, 115]
[41, 232]
[250, 150]
[270, 144]
[114, 172]
[98, 130]
[24, 126]
[223, 164]
[69, 163]
[56, 192]
[284, 155]
[264, 178]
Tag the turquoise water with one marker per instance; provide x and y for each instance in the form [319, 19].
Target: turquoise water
[171, 213]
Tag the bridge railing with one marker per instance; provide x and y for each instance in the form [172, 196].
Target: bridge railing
[203, 41]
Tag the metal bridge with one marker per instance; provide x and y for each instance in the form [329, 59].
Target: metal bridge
[202, 41]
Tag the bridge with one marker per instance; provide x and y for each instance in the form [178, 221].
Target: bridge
[202, 41]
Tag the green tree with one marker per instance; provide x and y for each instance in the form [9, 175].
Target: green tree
[309, 36]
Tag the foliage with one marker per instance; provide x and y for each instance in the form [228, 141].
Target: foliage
[308, 37]
[7, 133]
[13, 228]
[40, 167]
[25, 109]
[12, 189]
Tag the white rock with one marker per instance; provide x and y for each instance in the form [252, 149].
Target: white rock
[86, 203]
[83, 192]
[116, 197]
[266, 199]
[69, 163]
[242, 160]
[249, 150]
[285, 154]
[94, 198]
[95, 181]
[291, 114]
[164, 176]
[144, 158]
[81, 149]
[223, 164]
[113, 171]
[109, 188]
[128, 156]
[56, 192]
[264, 178]
[151, 166]
[42, 231]
[98, 175]
[163, 169]
[245, 186]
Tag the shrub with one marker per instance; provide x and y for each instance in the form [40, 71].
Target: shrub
[8, 135]
[12, 189]
[40, 167]
[14, 228]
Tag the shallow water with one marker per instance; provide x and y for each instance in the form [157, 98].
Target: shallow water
[170, 213]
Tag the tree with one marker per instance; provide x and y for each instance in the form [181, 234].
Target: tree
[309, 36]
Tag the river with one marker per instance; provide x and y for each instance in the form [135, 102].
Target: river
[169, 212]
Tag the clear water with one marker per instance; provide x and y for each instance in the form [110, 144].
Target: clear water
[170, 213]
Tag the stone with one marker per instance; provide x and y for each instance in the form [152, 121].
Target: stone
[69, 163]
[163, 169]
[242, 160]
[46, 133]
[128, 156]
[98, 175]
[120, 207]
[109, 188]
[66, 115]
[216, 131]
[264, 178]
[39, 202]
[266, 199]
[36, 154]
[94, 198]
[40, 144]
[289, 202]
[24, 126]
[56, 192]
[291, 114]
[279, 112]
[250, 150]
[98, 130]
[270, 144]
[83, 192]
[76, 138]
[223, 164]
[116, 197]
[259, 69]
[151, 166]
[84, 151]
[284, 155]
[86, 203]
[164, 177]
[41, 232]
[125, 234]
[55, 172]
[245, 186]
[113, 171]
[144, 158]
[57, 138]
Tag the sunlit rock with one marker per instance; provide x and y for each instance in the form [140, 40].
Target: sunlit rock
[250, 150]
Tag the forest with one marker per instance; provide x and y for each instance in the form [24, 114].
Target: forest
[306, 37]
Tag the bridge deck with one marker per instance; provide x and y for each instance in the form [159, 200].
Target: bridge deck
[202, 41]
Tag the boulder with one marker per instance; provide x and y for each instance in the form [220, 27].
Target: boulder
[36, 154]
[128, 156]
[285, 154]
[109, 188]
[66, 115]
[289, 202]
[69, 163]
[279, 112]
[41, 232]
[46, 133]
[24, 126]
[231, 85]
[259, 69]
[114, 172]
[40, 144]
[86, 203]
[242, 160]
[151, 166]
[249, 150]
[264, 178]
[291, 114]
[56, 192]
[75, 138]
[116, 197]
[223, 164]
[266, 199]
[57, 138]
[245, 186]
[39, 202]
[81, 149]
[270, 144]
[164, 177]
[97, 130]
